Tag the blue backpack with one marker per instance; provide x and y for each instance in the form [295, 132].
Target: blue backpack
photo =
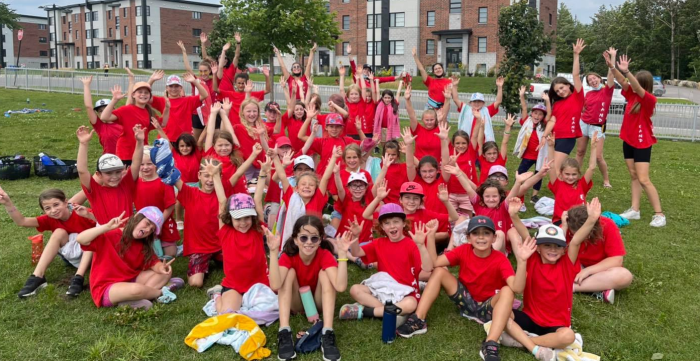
[311, 341]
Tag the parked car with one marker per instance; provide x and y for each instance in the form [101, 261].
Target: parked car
[659, 88]
[618, 101]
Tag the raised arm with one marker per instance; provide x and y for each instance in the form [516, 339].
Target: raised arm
[536, 178]
[419, 238]
[578, 47]
[462, 178]
[257, 148]
[130, 87]
[117, 95]
[84, 136]
[523, 102]
[88, 236]
[328, 172]
[510, 120]
[263, 179]
[553, 172]
[137, 157]
[341, 82]
[412, 120]
[382, 174]
[203, 92]
[87, 99]
[499, 92]
[588, 175]
[280, 172]
[304, 129]
[155, 76]
[338, 182]
[419, 65]
[211, 126]
[16, 215]
[623, 66]
[275, 276]
[582, 233]
[610, 57]
[203, 43]
[185, 59]
[408, 139]
[310, 61]
[237, 52]
[382, 193]
[222, 62]
[285, 71]
[215, 172]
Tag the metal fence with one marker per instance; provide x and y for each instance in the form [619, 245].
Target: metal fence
[671, 121]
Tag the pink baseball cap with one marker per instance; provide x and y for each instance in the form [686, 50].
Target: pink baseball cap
[391, 209]
[154, 215]
[540, 107]
[334, 119]
[497, 169]
[412, 188]
[241, 205]
[283, 141]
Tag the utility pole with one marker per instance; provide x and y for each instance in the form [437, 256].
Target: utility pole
[144, 33]
[88, 6]
[55, 32]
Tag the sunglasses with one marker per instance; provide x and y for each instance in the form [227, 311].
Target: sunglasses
[314, 239]
[498, 178]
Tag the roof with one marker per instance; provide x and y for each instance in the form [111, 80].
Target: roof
[453, 32]
[118, 1]
[32, 17]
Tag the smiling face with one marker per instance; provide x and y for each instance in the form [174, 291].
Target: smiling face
[112, 178]
[308, 240]
[299, 111]
[353, 96]
[243, 224]
[550, 253]
[562, 90]
[306, 187]
[223, 147]
[491, 197]
[55, 209]
[239, 84]
[393, 227]
[334, 130]
[537, 116]
[429, 120]
[410, 202]
[184, 148]
[174, 91]
[206, 180]
[352, 160]
[570, 175]
[142, 96]
[251, 112]
[481, 239]
[204, 72]
[296, 69]
[428, 172]
[491, 154]
[438, 70]
[387, 99]
[143, 229]
[476, 105]
[461, 144]
[358, 189]
[593, 80]
[148, 169]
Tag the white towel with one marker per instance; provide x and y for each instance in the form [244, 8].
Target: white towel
[288, 215]
[459, 233]
[386, 289]
[545, 206]
[466, 119]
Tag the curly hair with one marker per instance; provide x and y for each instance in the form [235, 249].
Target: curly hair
[577, 217]
[488, 184]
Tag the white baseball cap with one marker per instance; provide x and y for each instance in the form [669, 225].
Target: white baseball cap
[173, 79]
[477, 97]
[101, 103]
[307, 160]
[109, 162]
[357, 176]
[551, 234]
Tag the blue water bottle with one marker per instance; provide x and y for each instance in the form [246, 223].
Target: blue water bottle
[45, 160]
[391, 312]
[59, 162]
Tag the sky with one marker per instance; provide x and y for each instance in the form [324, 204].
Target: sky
[584, 10]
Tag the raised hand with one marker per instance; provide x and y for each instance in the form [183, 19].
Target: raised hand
[431, 226]
[248, 86]
[525, 248]
[386, 161]
[382, 191]
[181, 45]
[313, 48]
[257, 149]
[510, 121]
[203, 37]
[451, 169]
[277, 51]
[443, 194]
[594, 209]
[273, 241]
[156, 125]
[210, 167]
[358, 121]
[226, 47]
[348, 49]
[117, 92]
[413, 51]
[420, 234]
[316, 129]
[345, 241]
[402, 146]
[444, 132]
[336, 168]
[447, 93]
[86, 80]
[455, 79]
[226, 105]
[522, 177]
[237, 37]
[521, 91]
[623, 65]
[84, 134]
[337, 152]
[341, 70]
[139, 133]
[355, 227]
[514, 205]
[128, 71]
[545, 96]
[407, 92]
[500, 81]
[564, 220]
[216, 106]
[578, 47]
[189, 77]
[287, 158]
[408, 138]
[157, 75]
[546, 165]
[214, 68]
[117, 221]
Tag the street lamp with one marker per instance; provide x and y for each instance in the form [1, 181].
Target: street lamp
[55, 32]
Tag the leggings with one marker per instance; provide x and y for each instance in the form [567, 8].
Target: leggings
[525, 165]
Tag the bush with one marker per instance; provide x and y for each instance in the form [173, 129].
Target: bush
[492, 72]
[335, 72]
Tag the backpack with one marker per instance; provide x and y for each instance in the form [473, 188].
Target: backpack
[311, 341]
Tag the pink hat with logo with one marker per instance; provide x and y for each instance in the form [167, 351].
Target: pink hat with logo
[498, 169]
[154, 215]
[241, 205]
[334, 119]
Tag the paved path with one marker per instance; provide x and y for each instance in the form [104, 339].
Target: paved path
[681, 92]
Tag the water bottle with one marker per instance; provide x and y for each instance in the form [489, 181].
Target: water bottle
[391, 312]
[37, 247]
[45, 160]
[59, 162]
[307, 299]
[27, 100]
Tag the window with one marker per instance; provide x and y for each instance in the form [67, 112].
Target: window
[397, 20]
[43, 26]
[65, 52]
[51, 37]
[126, 30]
[483, 15]
[41, 65]
[139, 48]
[110, 32]
[94, 16]
[43, 53]
[116, 22]
[482, 44]
[396, 47]
[51, 20]
[53, 52]
[42, 39]
[109, 14]
[376, 19]
[457, 40]
[431, 18]
[88, 34]
[371, 46]
[148, 11]
[64, 36]
[550, 19]
[346, 1]
[397, 69]
[480, 69]
[77, 50]
[96, 33]
[126, 12]
[328, 6]
[139, 29]
[139, 64]
[70, 26]
[196, 32]
[430, 46]
[196, 15]
[346, 22]
[77, 34]
[66, 64]
[126, 49]
[455, 6]
[345, 47]
[63, 19]
[87, 17]
[196, 49]
[76, 17]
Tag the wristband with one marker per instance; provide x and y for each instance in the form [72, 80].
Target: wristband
[343, 259]
[504, 132]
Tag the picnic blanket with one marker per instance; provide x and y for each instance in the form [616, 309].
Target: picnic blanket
[27, 111]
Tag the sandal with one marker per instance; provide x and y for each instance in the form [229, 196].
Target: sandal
[607, 186]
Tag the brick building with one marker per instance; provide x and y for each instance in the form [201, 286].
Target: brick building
[35, 43]
[112, 32]
[452, 32]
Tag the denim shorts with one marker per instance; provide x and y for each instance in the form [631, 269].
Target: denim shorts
[589, 129]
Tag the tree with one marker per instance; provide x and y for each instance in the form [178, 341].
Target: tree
[568, 30]
[522, 36]
[8, 17]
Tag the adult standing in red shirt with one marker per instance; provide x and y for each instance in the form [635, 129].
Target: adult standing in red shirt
[436, 84]
[296, 74]
[637, 132]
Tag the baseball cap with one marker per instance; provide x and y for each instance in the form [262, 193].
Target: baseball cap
[174, 79]
[241, 205]
[283, 141]
[498, 169]
[411, 188]
[153, 214]
[269, 105]
[480, 222]
[357, 176]
[334, 119]
[140, 85]
[391, 209]
[109, 162]
[551, 234]
[367, 66]
[540, 107]
[101, 103]
[307, 160]
[477, 97]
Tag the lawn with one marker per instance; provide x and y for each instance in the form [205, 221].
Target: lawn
[655, 315]
[675, 101]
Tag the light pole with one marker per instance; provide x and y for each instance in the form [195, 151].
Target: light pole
[55, 33]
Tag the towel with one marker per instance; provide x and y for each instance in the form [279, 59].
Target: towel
[386, 289]
[288, 215]
[393, 129]
[459, 233]
[466, 119]
[259, 303]
[162, 157]
[545, 206]
[619, 220]
[236, 330]
[536, 221]
[524, 139]
[573, 352]
[373, 166]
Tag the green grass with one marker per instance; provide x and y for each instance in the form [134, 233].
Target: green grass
[675, 101]
[657, 314]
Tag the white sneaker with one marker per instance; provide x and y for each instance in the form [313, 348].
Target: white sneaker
[658, 221]
[631, 214]
[523, 208]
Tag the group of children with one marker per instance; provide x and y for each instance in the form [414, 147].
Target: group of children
[322, 200]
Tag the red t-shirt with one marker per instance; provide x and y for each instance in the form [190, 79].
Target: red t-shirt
[188, 165]
[567, 196]
[227, 78]
[245, 263]
[593, 252]
[293, 87]
[399, 259]
[486, 166]
[531, 152]
[129, 116]
[637, 129]
[350, 210]
[324, 147]
[490, 108]
[431, 200]
[180, 120]
[108, 134]
[466, 163]
[227, 171]
[74, 224]
[109, 202]
[293, 126]
[344, 176]
[368, 123]
[395, 177]
[108, 267]
[425, 215]
[597, 104]
[307, 275]
[209, 85]
[499, 216]
[354, 110]
[156, 193]
[236, 99]
[482, 277]
[436, 88]
[314, 206]
[427, 143]
[568, 114]
[549, 291]
[201, 221]
[247, 142]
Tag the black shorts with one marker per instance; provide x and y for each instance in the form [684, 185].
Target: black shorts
[196, 123]
[126, 163]
[354, 136]
[527, 324]
[637, 154]
[469, 307]
[564, 145]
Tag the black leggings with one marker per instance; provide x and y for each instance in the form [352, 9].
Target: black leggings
[525, 165]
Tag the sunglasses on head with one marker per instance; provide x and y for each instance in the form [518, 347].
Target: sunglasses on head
[314, 239]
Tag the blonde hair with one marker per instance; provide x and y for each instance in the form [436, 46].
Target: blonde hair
[356, 88]
[258, 121]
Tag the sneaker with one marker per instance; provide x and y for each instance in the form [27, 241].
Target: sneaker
[412, 327]
[508, 341]
[422, 285]
[180, 225]
[144, 304]
[328, 348]
[607, 296]
[534, 199]
[489, 351]
[630, 214]
[658, 221]
[32, 286]
[351, 311]
[285, 345]
[361, 264]
[473, 317]
[175, 284]
[545, 354]
[214, 290]
[76, 286]
[523, 208]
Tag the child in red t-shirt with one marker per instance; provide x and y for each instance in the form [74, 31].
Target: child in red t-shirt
[489, 153]
[356, 106]
[181, 106]
[398, 256]
[427, 173]
[531, 146]
[294, 118]
[463, 155]
[307, 261]
[566, 183]
[393, 171]
[483, 291]
[249, 132]
[125, 269]
[324, 146]
[353, 199]
[107, 132]
[64, 221]
[352, 163]
[545, 275]
[243, 90]
[151, 191]
[601, 255]
[220, 144]
[426, 142]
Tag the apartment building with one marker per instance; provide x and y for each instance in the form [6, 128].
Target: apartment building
[35, 43]
[92, 34]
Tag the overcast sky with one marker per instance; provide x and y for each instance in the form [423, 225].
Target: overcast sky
[582, 9]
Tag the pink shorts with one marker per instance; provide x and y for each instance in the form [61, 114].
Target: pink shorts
[461, 203]
[106, 302]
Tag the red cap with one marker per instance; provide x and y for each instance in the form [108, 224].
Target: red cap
[283, 141]
[412, 188]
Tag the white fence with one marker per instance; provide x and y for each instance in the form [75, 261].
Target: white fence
[672, 121]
